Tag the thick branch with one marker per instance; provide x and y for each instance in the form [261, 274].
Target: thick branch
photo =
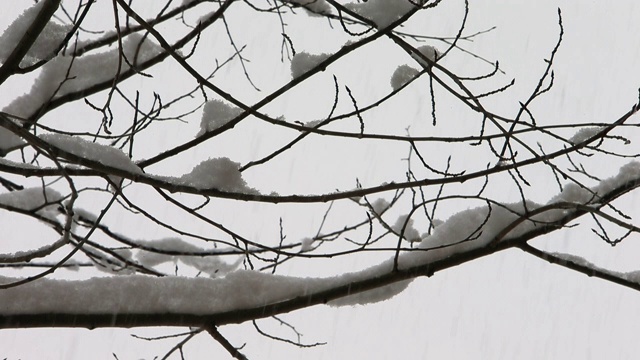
[13, 61]
[129, 319]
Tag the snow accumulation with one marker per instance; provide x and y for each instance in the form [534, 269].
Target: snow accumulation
[18, 165]
[303, 62]
[410, 233]
[217, 173]
[577, 194]
[383, 12]
[402, 75]
[243, 289]
[9, 141]
[429, 52]
[306, 244]
[380, 205]
[34, 198]
[216, 113]
[45, 45]
[65, 74]
[628, 172]
[104, 154]
[314, 6]
[120, 294]
[313, 123]
[214, 266]
[633, 276]
[584, 134]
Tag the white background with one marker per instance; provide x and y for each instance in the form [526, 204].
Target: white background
[506, 306]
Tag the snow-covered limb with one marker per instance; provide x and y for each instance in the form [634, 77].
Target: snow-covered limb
[43, 46]
[44, 201]
[303, 62]
[246, 295]
[240, 193]
[83, 149]
[216, 113]
[429, 52]
[66, 75]
[213, 266]
[384, 12]
[584, 134]
[27, 256]
[28, 29]
[313, 6]
[9, 142]
[221, 174]
[210, 209]
[174, 301]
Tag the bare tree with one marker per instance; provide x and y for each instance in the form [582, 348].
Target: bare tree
[153, 137]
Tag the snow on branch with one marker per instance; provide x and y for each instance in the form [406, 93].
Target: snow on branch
[219, 173]
[313, 6]
[216, 113]
[241, 295]
[402, 75]
[45, 201]
[383, 12]
[213, 266]
[303, 62]
[9, 141]
[65, 75]
[45, 45]
[103, 154]
[585, 134]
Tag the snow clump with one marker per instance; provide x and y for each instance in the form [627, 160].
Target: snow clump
[103, 154]
[34, 198]
[402, 75]
[383, 12]
[313, 6]
[67, 74]
[410, 233]
[152, 255]
[380, 205]
[306, 244]
[303, 62]
[243, 289]
[429, 52]
[584, 134]
[218, 173]
[9, 141]
[44, 46]
[216, 114]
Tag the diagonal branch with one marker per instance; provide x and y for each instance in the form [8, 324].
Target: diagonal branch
[12, 63]
[233, 351]
[226, 288]
[582, 266]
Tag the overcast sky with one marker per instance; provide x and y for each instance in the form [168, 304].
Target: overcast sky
[508, 305]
